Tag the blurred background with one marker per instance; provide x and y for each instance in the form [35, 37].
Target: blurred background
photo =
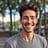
[9, 18]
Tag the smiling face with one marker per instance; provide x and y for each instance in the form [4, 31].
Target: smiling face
[28, 21]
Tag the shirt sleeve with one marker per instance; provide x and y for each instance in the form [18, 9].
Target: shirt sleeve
[7, 45]
[45, 43]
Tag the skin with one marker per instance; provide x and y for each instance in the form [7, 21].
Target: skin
[28, 21]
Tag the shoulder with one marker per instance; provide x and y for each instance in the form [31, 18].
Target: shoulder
[11, 42]
[41, 39]
[13, 39]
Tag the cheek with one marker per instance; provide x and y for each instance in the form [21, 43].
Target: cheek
[24, 21]
[35, 21]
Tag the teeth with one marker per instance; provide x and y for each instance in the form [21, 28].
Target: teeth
[28, 25]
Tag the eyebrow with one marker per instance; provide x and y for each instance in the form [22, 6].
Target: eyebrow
[30, 16]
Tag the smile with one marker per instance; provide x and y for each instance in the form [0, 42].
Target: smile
[29, 26]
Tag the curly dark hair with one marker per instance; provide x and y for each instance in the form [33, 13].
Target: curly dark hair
[27, 6]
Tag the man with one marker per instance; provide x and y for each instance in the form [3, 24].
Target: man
[27, 38]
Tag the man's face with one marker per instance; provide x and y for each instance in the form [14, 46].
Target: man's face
[28, 20]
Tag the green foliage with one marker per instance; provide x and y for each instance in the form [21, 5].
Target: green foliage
[17, 23]
[47, 21]
[43, 22]
[37, 23]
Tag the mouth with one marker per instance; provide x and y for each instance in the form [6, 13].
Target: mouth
[29, 26]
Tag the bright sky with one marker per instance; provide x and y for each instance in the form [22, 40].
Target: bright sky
[7, 17]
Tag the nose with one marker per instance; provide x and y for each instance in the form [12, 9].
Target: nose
[29, 20]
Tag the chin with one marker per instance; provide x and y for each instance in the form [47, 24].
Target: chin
[28, 31]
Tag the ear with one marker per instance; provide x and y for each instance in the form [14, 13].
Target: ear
[20, 20]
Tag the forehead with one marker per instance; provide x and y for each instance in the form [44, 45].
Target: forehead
[29, 13]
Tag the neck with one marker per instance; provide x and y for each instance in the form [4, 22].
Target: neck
[27, 36]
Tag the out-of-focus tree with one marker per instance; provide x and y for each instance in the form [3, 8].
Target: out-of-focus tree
[2, 10]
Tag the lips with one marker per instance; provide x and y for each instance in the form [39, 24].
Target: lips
[28, 26]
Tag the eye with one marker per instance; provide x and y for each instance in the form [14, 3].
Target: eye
[25, 17]
[32, 18]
